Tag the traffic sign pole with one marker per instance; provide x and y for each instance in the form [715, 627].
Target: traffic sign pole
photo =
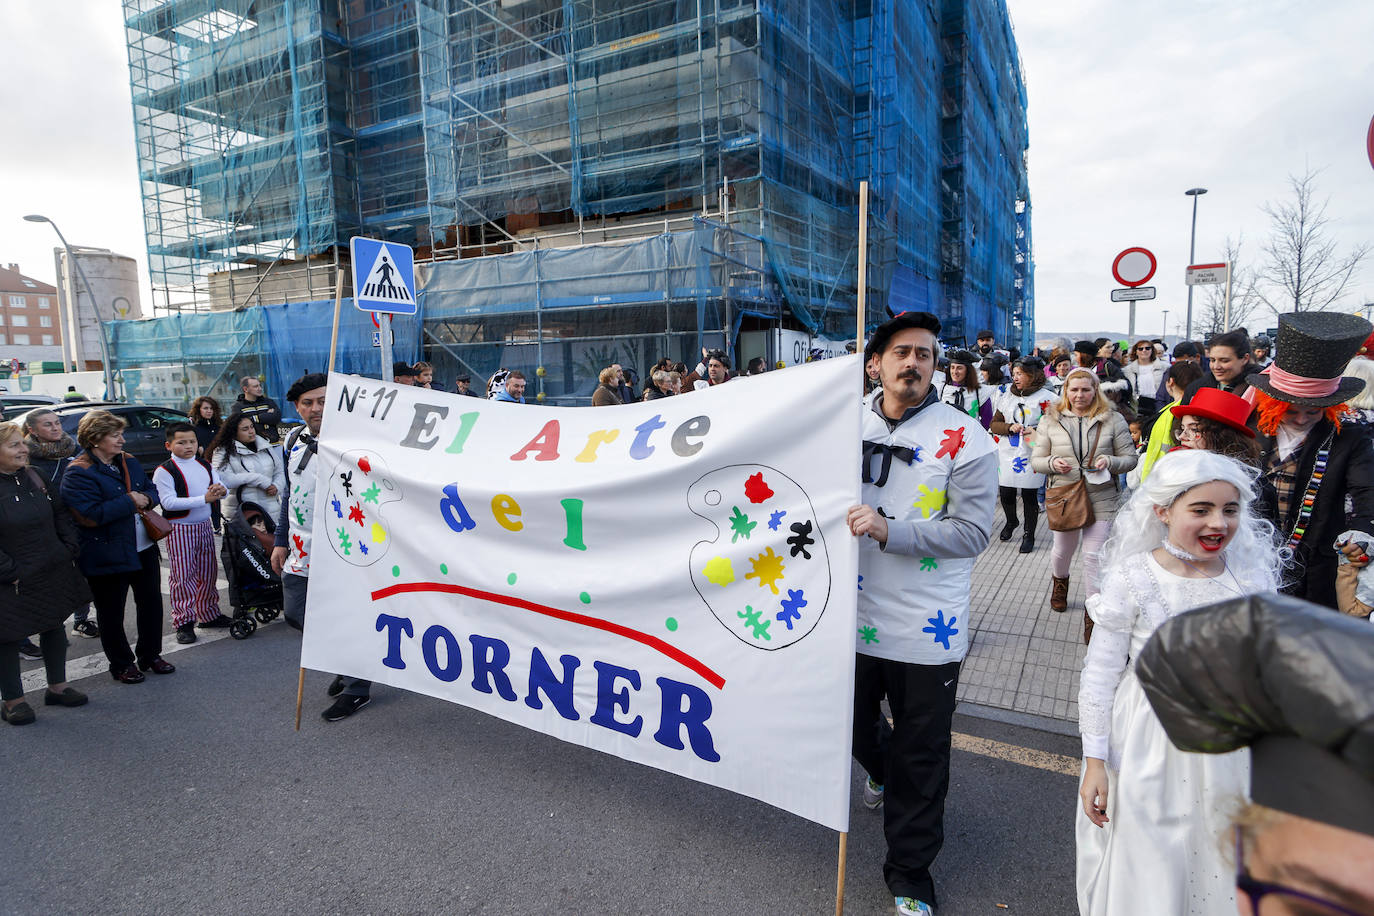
[385, 321]
[1131, 323]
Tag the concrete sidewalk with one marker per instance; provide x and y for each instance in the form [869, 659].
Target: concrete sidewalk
[1024, 659]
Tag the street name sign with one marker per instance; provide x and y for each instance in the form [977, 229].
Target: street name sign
[383, 276]
[1131, 294]
[1205, 274]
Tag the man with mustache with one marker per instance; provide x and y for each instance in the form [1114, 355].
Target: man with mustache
[929, 488]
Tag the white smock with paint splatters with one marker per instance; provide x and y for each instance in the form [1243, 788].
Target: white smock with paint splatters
[914, 590]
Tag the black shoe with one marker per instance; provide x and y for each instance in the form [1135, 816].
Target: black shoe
[69, 696]
[129, 675]
[344, 707]
[218, 623]
[86, 628]
[29, 650]
[336, 686]
[21, 714]
[1008, 530]
[186, 633]
[157, 665]
[1027, 542]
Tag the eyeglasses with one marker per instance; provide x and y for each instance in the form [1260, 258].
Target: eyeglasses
[1143, 348]
[1267, 899]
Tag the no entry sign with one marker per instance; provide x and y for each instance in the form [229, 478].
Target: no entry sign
[1134, 267]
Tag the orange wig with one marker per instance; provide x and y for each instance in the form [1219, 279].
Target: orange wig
[1272, 411]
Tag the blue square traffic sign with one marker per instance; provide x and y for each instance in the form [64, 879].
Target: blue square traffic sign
[383, 276]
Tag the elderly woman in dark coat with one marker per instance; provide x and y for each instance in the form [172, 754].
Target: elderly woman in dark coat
[116, 553]
[39, 584]
[50, 451]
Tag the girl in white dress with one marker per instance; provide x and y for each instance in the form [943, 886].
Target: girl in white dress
[1151, 815]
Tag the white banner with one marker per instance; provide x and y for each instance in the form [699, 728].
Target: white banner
[671, 582]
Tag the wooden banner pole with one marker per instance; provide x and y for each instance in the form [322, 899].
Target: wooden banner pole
[839, 880]
[300, 695]
[863, 263]
[334, 335]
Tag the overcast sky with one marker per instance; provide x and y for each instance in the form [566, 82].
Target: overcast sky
[1131, 104]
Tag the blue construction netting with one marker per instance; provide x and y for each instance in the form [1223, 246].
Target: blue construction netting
[271, 131]
[170, 361]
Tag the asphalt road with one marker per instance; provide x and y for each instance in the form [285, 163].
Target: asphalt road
[192, 793]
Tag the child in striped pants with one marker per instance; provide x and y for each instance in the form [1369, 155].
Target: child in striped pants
[187, 485]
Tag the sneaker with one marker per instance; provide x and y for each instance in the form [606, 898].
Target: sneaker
[186, 633]
[910, 906]
[336, 686]
[873, 795]
[219, 623]
[344, 707]
[29, 650]
[86, 628]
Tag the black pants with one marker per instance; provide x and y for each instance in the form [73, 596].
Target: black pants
[909, 758]
[110, 591]
[54, 644]
[1029, 506]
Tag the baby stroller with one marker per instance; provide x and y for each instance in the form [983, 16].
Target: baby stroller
[254, 589]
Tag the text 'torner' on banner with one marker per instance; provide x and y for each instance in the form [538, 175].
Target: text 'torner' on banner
[671, 582]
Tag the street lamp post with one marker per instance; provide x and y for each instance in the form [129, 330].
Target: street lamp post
[1194, 193]
[95, 306]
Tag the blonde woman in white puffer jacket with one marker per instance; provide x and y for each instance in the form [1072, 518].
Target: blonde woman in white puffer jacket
[248, 465]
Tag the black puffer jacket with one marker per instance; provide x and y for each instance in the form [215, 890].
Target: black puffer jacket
[39, 583]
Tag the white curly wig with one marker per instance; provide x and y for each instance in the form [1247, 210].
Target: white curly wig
[1137, 529]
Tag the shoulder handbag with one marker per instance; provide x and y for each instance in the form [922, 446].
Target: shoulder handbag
[1067, 506]
[154, 525]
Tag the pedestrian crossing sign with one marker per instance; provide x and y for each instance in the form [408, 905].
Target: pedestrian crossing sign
[383, 276]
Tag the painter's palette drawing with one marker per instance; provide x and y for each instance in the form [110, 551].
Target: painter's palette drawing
[358, 487]
[766, 574]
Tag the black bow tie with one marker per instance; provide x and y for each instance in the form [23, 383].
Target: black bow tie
[901, 452]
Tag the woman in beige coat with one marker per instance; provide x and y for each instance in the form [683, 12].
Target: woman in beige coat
[1083, 432]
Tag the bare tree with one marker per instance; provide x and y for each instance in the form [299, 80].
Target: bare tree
[1245, 296]
[1302, 270]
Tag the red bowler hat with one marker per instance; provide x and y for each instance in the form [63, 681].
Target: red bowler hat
[1221, 406]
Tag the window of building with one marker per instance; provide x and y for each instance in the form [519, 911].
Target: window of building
[19, 321]
[2, 340]
[18, 302]
[47, 340]
[2, 318]
[30, 284]
[21, 340]
[44, 302]
[45, 321]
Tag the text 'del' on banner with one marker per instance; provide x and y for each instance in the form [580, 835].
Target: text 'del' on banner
[671, 582]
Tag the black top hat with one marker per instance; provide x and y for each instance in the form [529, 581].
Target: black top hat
[1314, 347]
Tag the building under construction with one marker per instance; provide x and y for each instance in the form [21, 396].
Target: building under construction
[588, 180]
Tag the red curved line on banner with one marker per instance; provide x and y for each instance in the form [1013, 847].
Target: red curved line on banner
[653, 642]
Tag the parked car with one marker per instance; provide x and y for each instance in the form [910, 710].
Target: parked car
[145, 435]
